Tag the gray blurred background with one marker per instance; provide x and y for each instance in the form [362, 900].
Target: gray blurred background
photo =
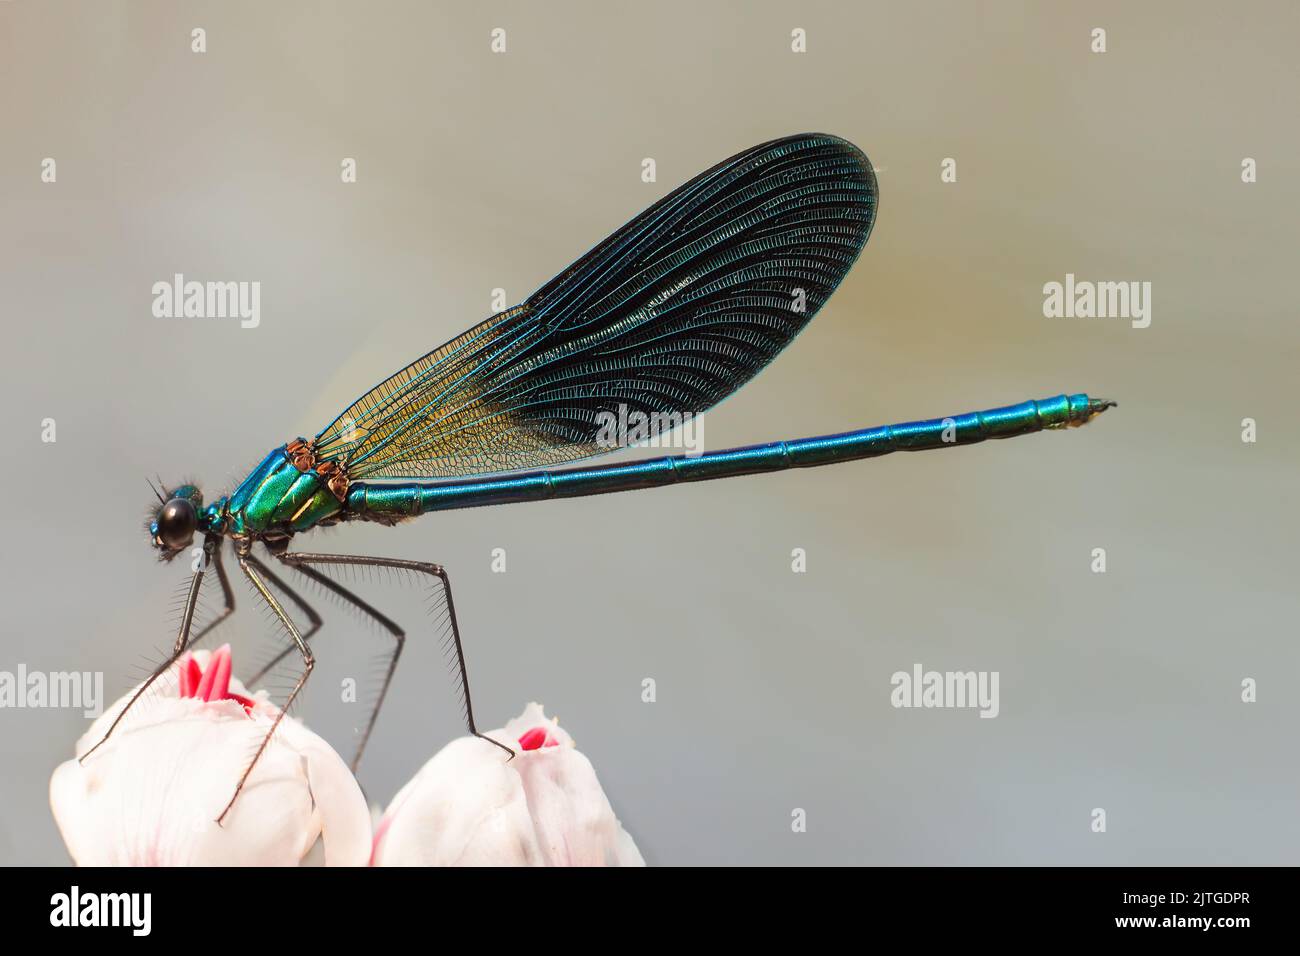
[476, 171]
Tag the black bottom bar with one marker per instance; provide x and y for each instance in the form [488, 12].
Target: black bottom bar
[919, 906]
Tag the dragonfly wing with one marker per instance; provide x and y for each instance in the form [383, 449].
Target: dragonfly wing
[666, 317]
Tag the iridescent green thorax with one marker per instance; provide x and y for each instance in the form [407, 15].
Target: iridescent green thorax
[278, 495]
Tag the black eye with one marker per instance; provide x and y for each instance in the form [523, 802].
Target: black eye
[177, 522]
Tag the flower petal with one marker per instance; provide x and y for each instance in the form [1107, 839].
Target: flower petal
[463, 808]
[190, 674]
[152, 793]
[340, 806]
[470, 806]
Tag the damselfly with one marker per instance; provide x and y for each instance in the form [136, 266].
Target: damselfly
[668, 316]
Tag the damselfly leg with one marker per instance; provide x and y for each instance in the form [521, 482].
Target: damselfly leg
[255, 577]
[227, 597]
[364, 607]
[211, 553]
[297, 599]
[303, 561]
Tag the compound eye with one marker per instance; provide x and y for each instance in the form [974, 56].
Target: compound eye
[177, 523]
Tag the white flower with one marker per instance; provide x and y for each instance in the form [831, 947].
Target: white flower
[152, 793]
[473, 806]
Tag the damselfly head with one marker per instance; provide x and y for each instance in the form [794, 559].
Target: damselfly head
[175, 521]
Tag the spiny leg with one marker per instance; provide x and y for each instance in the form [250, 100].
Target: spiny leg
[316, 622]
[375, 615]
[211, 549]
[227, 594]
[297, 599]
[247, 565]
[421, 567]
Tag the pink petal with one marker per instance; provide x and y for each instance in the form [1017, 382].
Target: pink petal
[533, 739]
[221, 680]
[189, 676]
[204, 690]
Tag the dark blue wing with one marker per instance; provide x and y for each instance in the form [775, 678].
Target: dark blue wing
[666, 317]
